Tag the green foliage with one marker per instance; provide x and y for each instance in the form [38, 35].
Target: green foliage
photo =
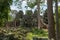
[27, 19]
[35, 14]
[13, 33]
[4, 10]
[29, 12]
[19, 15]
[18, 3]
[36, 31]
[9, 17]
[29, 36]
[59, 11]
[39, 33]
[21, 33]
[31, 5]
[59, 14]
[35, 22]
[45, 17]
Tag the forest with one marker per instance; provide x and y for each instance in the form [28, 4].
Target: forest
[29, 19]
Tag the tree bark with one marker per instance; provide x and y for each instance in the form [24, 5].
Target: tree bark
[51, 27]
[57, 21]
[39, 19]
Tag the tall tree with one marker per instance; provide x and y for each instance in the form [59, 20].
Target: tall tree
[51, 27]
[39, 19]
[57, 21]
[31, 5]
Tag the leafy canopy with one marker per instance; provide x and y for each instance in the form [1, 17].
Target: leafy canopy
[4, 10]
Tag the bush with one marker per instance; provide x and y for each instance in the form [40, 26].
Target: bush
[7, 37]
[36, 31]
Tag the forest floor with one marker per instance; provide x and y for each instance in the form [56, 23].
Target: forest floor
[24, 33]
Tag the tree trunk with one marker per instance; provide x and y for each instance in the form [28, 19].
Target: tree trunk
[51, 27]
[39, 19]
[57, 21]
[15, 22]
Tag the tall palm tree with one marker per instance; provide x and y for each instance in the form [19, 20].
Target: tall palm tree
[57, 21]
[51, 27]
